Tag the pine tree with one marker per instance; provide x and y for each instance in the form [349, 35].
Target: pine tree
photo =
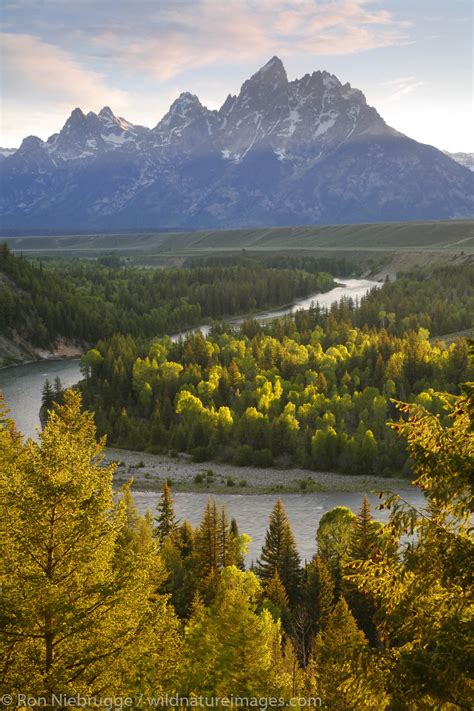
[364, 543]
[58, 387]
[226, 551]
[319, 593]
[231, 648]
[276, 595]
[186, 539]
[206, 551]
[47, 397]
[341, 679]
[279, 553]
[239, 555]
[166, 523]
[364, 536]
[79, 603]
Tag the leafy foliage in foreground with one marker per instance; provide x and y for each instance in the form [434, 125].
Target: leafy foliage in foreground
[92, 602]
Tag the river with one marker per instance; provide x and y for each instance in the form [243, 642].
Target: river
[252, 512]
[22, 384]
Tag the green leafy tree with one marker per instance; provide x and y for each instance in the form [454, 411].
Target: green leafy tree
[333, 540]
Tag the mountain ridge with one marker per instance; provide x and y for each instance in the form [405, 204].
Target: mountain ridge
[306, 151]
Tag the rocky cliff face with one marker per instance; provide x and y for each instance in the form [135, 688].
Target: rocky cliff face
[280, 153]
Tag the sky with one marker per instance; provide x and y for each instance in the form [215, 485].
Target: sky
[411, 58]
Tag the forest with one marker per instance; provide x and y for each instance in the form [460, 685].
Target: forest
[99, 602]
[313, 389]
[85, 300]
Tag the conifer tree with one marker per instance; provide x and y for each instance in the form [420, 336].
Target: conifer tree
[231, 648]
[277, 597]
[186, 539]
[166, 523]
[79, 606]
[58, 387]
[364, 535]
[239, 554]
[225, 549]
[364, 541]
[47, 397]
[279, 553]
[340, 678]
[319, 593]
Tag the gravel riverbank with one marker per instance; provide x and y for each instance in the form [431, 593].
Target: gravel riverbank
[150, 470]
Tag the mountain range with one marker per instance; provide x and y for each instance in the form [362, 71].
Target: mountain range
[308, 151]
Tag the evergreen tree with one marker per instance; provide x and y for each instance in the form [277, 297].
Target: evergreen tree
[279, 553]
[206, 550]
[47, 397]
[276, 598]
[225, 551]
[364, 537]
[338, 666]
[364, 543]
[79, 609]
[231, 648]
[239, 553]
[426, 603]
[319, 593]
[58, 387]
[166, 523]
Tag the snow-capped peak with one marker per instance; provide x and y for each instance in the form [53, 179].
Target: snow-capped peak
[271, 72]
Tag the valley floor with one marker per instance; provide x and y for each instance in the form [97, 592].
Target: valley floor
[150, 470]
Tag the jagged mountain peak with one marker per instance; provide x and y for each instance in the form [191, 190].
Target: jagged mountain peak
[106, 112]
[269, 79]
[310, 150]
[77, 116]
[182, 106]
[274, 68]
[30, 143]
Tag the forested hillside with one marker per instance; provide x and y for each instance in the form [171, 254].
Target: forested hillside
[86, 301]
[98, 601]
[312, 390]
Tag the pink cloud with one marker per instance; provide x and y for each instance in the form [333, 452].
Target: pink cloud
[199, 34]
[37, 70]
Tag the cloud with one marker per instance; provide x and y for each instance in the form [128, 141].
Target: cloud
[166, 39]
[37, 71]
[62, 53]
[401, 86]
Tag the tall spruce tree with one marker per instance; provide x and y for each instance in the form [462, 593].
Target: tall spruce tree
[226, 549]
[319, 593]
[231, 647]
[341, 677]
[239, 553]
[279, 553]
[364, 537]
[47, 396]
[277, 598]
[79, 607]
[166, 523]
